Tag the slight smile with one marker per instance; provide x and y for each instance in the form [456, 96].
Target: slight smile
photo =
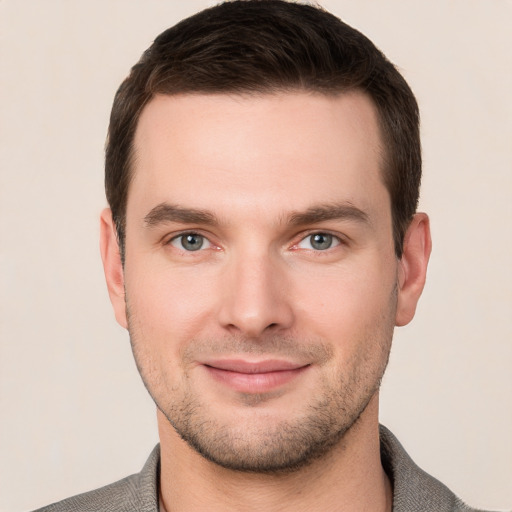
[254, 377]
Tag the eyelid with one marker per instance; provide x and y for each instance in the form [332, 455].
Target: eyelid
[340, 239]
[177, 235]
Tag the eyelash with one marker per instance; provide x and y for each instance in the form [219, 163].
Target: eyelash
[333, 239]
[190, 234]
[337, 240]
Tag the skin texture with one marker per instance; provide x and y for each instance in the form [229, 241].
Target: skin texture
[264, 348]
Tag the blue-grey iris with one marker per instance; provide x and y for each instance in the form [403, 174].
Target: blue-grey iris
[192, 242]
[321, 241]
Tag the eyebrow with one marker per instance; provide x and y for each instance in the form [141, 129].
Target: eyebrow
[327, 212]
[165, 212]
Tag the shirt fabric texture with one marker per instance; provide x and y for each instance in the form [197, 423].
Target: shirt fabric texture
[413, 489]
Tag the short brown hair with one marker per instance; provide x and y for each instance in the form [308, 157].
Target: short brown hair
[258, 46]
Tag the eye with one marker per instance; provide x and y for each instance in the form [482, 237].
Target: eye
[190, 242]
[319, 242]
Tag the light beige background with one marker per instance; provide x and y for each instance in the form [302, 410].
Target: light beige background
[74, 414]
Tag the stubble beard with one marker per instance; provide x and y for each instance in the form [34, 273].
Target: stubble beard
[271, 447]
[276, 448]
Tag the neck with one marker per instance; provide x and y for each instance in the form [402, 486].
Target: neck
[349, 477]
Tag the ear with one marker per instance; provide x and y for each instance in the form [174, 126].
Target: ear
[412, 268]
[112, 266]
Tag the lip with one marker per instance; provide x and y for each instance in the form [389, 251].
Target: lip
[254, 376]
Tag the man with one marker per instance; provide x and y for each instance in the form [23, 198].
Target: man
[262, 171]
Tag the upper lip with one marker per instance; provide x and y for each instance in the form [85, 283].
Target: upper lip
[264, 366]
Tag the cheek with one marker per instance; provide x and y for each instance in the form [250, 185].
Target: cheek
[169, 305]
[345, 304]
[165, 311]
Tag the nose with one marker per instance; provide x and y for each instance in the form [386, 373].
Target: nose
[255, 298]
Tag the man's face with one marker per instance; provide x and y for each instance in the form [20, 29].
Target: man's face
[260, 274]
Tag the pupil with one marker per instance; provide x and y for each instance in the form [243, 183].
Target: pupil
[192, 242]
[321, 241]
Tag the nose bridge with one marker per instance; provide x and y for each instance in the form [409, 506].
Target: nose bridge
[255, 295]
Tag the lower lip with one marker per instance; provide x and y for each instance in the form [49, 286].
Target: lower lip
[255, 382]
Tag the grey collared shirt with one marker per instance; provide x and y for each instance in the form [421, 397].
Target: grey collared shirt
[413, 489]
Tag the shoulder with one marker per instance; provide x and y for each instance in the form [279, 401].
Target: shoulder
[136, 492]
[414, 490]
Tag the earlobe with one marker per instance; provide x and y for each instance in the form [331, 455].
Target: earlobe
[112, 266]
[412, 269]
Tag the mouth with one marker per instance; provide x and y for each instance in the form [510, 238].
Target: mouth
[254, 376]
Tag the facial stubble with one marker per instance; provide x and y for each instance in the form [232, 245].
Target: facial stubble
[268, 445]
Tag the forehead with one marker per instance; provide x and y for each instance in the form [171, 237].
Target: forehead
[257, 150]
